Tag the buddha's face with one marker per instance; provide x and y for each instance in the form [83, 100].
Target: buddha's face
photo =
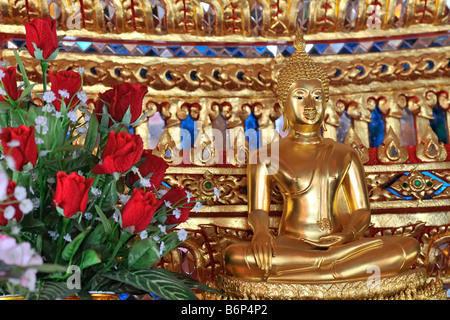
[305, 104]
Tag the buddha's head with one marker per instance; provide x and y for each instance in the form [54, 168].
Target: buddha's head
[302, 89]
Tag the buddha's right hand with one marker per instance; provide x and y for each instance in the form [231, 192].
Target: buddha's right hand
[264, 249]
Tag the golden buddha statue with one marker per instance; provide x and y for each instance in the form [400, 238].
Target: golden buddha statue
[316, 241]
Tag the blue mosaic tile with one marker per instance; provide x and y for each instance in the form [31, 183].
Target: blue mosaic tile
[115, 47]
[320, 47]
[122, 51]
[210, 53]
[84, 44]
[260, 49]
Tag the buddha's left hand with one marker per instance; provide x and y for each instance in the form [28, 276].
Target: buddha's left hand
[330, 240]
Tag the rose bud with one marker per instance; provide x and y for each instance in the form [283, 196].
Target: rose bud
[42, 34]
[9, 82]
[121, 97]
[70, 81]
[17, 213]
[138, 212]
[71, 193]
[121, 152]
[19, 144]
[152, 164]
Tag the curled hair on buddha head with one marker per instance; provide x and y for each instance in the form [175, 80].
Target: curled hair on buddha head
[299, 66]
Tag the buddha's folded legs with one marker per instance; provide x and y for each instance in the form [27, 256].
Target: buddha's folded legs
[349, 261]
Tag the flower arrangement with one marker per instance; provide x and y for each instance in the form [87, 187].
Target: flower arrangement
[82, 205]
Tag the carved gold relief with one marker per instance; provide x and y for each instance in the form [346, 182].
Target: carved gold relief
[231, 18]
[430, 149]
[391, 150]
[409, 286]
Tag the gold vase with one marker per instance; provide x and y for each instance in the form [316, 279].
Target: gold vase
[12, 297]
[98, 295]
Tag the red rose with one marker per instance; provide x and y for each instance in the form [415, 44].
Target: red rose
[10, 198]
[19, 144]
[121, 97]
[71, 193]
[152, 164]
[121, 152]
[138, 211]
[65, 80]
[177, 198]
[9, 82]
[41, 32]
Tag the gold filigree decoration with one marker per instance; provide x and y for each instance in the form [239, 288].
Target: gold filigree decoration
[417, 185]
[391, 150]
[354, 141]
[231, 188]
[411, 285]
[430, 149]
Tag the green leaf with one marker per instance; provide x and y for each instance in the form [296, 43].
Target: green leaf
[49, 268]
[22, 69]
[143, 254]
[26, 92]
[127, 117]
[109, 194]
[92, 134]
[53, 291]
[157, 281]
[89, 258]
[104, 220]
[72, 247]
[191, 283]
[5, 105]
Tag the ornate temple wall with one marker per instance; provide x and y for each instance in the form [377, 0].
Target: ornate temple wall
[213, 64]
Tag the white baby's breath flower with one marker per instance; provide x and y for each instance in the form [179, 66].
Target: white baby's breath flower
[20, 193]
[143, 235]
[81, 130]
[81, 70]
[64, 94]
[15, 230]
[48, 108]
[88, 216]
[4, 64]
[87, 117]
[217, 192]
[41, 124]
[26, 206]
[39, 141]
[162, 228]
[82, 96]
[72, 115]
[51, 180]
[96, 192]
[68, 238]
[156, 238]
[53, 234]
[177, 213]
[58, 114]
[49, 96]
[168, 204]
[116, 216]
[189, 195]
[2, 74]
[2, 92]
[124, 198]
[182, 235]
[162, 246]
[9, 212]
[145, 183]
[198, 206]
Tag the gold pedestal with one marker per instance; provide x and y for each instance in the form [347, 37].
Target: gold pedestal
[411, 285]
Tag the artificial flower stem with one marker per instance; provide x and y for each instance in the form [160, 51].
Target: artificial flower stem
[59, 245]
[44, 67]
[124, 236]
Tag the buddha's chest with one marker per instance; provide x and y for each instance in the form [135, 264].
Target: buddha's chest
[309, 172]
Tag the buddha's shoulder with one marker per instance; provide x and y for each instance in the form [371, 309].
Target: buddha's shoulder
[341, 150]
